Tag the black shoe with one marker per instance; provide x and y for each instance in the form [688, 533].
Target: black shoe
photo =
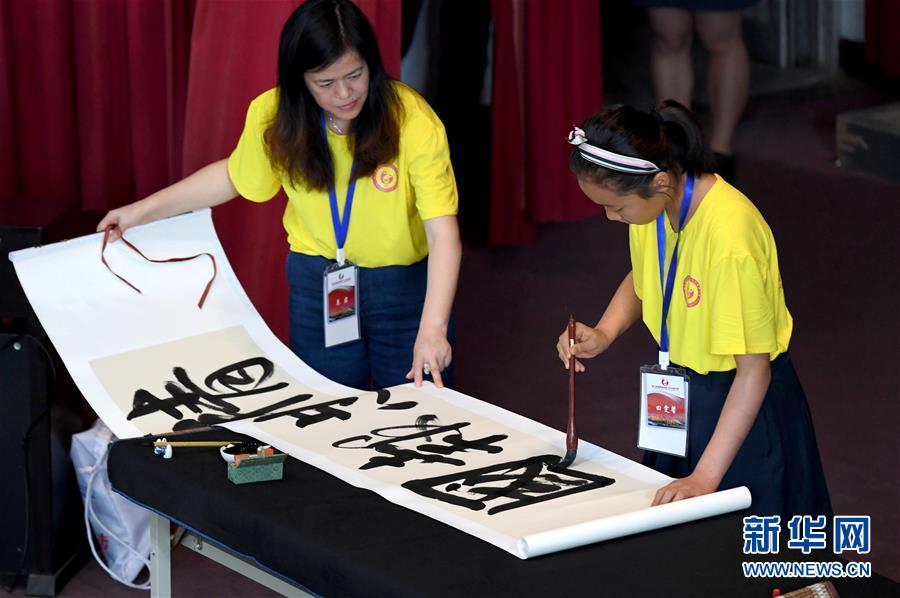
[724, 166]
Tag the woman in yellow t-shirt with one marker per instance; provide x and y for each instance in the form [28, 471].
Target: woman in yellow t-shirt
[336, 118]
[728, 326]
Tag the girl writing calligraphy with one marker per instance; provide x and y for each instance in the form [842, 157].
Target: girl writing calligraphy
[727, 324]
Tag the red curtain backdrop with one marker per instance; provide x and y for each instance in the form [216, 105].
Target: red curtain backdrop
[547, 77]
[882, 41]
[92, 97]
[103, 102]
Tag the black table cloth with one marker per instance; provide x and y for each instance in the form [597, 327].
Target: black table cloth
[339, 540]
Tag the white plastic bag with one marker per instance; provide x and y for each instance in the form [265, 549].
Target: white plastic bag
[122, 528]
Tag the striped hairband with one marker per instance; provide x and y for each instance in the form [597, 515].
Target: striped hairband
[609, 159]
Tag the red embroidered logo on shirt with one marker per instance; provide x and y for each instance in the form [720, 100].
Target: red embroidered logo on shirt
[385, 177]
[691, 289]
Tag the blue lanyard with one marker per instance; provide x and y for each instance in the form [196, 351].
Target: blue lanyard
[669, 282]
[341, 225]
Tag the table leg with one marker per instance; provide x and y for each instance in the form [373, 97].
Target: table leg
[160, 557]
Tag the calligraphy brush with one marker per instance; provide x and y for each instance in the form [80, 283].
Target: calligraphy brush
[164, 447]
[195, 443]
[184, 431]
[571, 433]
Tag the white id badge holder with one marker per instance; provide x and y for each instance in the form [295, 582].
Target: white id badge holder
[340, 300]
[663, 424]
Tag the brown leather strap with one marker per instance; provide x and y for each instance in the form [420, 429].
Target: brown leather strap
[113, 227]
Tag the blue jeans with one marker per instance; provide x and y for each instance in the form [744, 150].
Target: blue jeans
[390, 301]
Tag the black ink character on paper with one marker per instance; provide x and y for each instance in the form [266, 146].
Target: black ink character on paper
[213, 401]
[397, 445]
[510, 485]
[242, 379]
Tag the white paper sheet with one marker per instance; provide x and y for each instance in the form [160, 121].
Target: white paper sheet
[150, 362]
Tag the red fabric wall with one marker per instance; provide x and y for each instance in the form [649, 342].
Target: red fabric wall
[547, 77]
[92, 97]
[234, 59]
[104, 102]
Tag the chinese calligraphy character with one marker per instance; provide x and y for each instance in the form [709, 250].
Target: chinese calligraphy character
[512, 485]
[419, 435]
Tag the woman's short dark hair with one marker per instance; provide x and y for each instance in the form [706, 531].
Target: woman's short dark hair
[315, 36]
[669, 136]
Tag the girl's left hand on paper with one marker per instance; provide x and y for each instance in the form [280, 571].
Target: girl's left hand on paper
[432, 348]
[693, 485]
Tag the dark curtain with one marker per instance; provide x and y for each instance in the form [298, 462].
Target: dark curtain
[92, 99]
[546, 77]
[882, 41]
[456, 94]
[105, 101]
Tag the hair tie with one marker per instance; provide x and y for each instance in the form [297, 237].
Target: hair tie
[608, 159]
[576, 136]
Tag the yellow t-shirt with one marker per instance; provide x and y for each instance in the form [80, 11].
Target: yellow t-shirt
[386, 226]
[728, 299]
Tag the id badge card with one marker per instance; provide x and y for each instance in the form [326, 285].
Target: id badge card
[663, 424]
[340, 298]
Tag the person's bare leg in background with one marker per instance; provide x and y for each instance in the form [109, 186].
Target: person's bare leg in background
[670, 56]
[728, 69]
[729, 74]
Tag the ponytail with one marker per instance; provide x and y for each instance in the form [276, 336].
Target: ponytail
[687, 149]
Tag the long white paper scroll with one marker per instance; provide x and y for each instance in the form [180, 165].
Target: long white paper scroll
[154, 362]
